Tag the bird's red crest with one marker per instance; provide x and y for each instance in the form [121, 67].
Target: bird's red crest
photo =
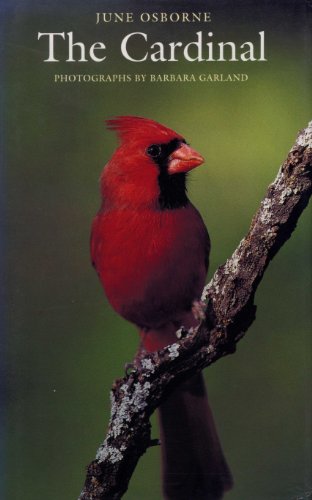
[137, 127]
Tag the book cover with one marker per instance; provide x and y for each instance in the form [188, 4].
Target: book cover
[234, 78]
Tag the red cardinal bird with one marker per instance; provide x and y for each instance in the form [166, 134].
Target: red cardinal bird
[150, 248]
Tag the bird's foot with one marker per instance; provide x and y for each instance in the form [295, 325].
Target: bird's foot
[154, 442]
[199, 310]
[181, 332]
[130, 368]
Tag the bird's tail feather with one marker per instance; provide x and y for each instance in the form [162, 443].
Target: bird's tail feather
[193, 464]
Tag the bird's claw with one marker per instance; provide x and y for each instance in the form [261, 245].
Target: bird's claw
[181, 332]
[199, 310]
[130, 368]
[154, 442]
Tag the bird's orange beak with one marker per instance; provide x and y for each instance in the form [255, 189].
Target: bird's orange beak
[184, 159]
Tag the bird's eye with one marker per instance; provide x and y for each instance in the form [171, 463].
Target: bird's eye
[154, 151]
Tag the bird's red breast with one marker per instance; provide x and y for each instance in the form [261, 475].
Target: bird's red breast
[151, 263]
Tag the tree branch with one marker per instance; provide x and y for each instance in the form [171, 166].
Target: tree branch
[229, 313]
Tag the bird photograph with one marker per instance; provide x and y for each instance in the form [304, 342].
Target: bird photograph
[155, 250]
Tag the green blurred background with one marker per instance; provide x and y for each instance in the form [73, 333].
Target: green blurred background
[64, 343]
